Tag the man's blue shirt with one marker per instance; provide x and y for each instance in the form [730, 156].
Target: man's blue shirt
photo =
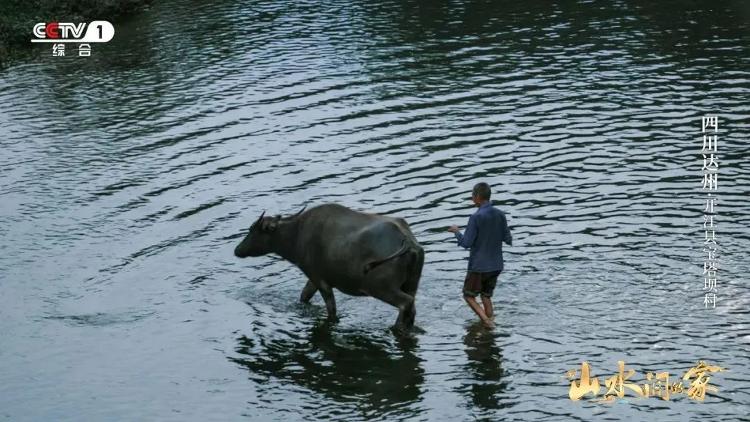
[485, 233]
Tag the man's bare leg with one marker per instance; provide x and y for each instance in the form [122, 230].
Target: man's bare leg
[487, 303]
[478, 310]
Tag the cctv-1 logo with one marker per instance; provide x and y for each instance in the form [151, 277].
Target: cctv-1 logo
[57, 32]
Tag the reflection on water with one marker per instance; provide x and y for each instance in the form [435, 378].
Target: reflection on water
[374, 371]
[127, 179]
[484, 368]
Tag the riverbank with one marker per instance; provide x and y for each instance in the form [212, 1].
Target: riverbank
[17, 17]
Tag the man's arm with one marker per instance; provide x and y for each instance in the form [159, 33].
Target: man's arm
[467, 240]
[507, 238]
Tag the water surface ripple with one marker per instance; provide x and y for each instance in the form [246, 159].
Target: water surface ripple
[126, 180]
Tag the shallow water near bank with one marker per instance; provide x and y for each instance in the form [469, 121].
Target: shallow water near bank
[128, 178]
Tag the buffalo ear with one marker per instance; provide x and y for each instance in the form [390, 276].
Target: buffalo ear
[274, 223]
[270, 225]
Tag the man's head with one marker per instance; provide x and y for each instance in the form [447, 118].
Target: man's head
[480, 193]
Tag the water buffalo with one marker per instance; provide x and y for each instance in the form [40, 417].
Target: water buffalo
[358, 253]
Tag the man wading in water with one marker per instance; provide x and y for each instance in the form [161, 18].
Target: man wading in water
[485, 233]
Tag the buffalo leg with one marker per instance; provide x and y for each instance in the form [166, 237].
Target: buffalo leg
[327, 293]
[308, 291]
[404, 303]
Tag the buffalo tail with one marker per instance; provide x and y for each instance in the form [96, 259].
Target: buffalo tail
[404, 248]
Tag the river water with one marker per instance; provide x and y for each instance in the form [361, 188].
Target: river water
[128, 177]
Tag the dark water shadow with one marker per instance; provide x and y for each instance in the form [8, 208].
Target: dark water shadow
[484, 371]
[378, 372]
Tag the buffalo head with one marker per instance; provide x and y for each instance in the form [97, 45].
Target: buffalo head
[260, 239]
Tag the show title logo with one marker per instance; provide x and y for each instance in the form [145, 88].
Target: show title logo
[658, 384]
[83, 34]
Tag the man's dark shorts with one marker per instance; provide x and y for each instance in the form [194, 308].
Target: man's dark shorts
[480, 283]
